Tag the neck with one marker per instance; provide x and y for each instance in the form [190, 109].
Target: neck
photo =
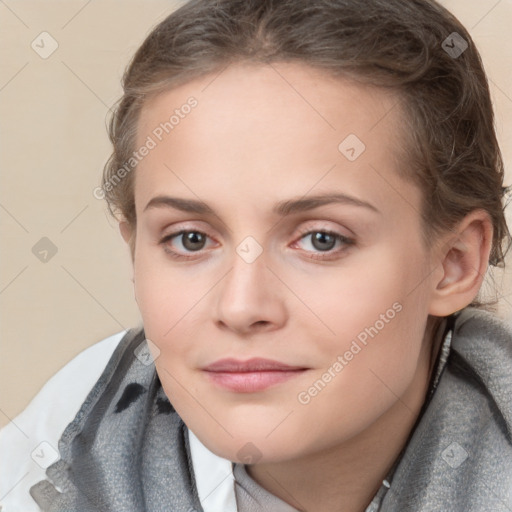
[352, 472]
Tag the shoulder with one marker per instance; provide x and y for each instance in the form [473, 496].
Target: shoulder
[465, 433]
[29, 442]
[482, 343]
[484, 340]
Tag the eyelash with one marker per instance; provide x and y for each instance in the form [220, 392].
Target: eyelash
[330, 254]
[303, 233]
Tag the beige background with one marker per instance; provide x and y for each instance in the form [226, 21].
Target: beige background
[53, 146]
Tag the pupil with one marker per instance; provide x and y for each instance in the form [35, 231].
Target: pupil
[193, 241]
[320, 238]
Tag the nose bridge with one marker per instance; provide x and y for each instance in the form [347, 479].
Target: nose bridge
[248, 294]
[248, 277]
[249, 258]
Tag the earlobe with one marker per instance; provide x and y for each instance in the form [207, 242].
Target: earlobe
[464, 262]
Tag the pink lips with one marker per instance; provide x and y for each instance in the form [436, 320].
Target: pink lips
[250, 376]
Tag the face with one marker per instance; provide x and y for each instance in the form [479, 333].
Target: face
[279, 266]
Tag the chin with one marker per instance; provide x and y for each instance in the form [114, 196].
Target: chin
[241, 445]
[245, 450]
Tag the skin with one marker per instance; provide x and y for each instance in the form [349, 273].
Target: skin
[260, 135]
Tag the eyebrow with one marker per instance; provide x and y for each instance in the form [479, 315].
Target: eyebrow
[282, 208]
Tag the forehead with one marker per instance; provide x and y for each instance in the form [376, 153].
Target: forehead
[282, 126]
[276, 94]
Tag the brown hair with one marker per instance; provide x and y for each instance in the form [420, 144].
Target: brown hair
[407, 46]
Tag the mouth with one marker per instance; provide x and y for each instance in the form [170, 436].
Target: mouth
[252, 375]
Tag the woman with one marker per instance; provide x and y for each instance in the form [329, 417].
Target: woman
[311, 194]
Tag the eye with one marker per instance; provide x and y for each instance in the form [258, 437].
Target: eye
[324, 241]
[321, 245]
[185, 241]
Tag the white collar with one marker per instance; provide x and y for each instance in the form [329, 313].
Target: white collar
[214, 478]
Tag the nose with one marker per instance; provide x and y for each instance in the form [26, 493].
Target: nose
[249, 299]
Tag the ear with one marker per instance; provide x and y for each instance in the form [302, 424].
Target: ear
[126, 231]
[464, 260]
[128, 234]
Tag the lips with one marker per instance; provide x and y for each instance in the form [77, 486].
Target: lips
[255, 364]
[250, 376]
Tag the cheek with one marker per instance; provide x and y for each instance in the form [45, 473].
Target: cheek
[375, 317]
[164, 294]
[364, 373]
[165, 304]
[365, 291]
